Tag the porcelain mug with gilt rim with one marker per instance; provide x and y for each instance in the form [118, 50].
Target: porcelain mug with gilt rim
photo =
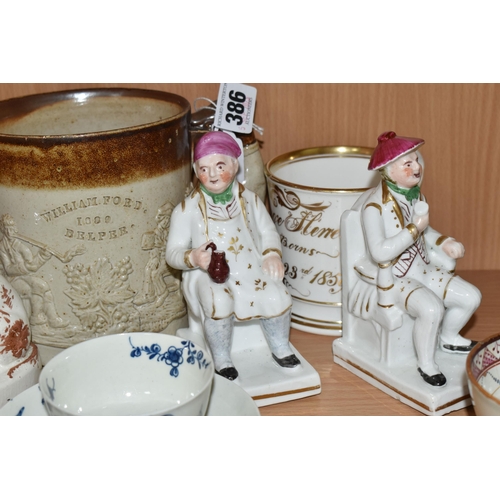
[309, 189]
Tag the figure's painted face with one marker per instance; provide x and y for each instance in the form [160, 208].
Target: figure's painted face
[406, 171]
[216, 172]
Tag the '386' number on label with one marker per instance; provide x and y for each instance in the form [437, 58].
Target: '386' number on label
[236, 107]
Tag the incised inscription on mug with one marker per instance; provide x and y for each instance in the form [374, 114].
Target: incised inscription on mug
[92, 237]
[96, 227]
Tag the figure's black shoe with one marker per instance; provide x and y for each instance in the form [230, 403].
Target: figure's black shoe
[288, 361]
[459, 349]
[437, 380]
[230, 373]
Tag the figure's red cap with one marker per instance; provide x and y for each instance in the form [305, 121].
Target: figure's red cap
[390, 147]
[216, 143]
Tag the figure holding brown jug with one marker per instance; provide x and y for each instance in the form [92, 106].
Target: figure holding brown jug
[220, 212]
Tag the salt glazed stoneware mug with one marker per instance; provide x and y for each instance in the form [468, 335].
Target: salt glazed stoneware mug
[309, 190]
[88, 181]
[129, 374]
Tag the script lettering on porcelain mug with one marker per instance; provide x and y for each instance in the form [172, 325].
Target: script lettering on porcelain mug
[303, 233]
[308, 191]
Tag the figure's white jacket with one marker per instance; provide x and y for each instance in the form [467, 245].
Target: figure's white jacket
[245, 294]
[392, 241]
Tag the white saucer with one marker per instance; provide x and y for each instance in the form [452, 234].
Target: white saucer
[227, 399]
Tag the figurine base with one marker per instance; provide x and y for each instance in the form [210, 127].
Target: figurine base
[403, 382]
[259, 375]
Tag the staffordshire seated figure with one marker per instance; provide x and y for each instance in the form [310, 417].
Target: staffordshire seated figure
[404, 267]
[220, 215]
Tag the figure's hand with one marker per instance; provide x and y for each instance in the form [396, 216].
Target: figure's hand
[201, 257]
[421, 221]
[44, 254]
[78, 250]
[273, 266]
[453, 249]
[73, 252]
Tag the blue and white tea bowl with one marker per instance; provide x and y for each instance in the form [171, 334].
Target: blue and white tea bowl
[129, 374]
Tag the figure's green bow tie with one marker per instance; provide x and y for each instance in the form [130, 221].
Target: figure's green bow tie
[410, 194]
[221, 198]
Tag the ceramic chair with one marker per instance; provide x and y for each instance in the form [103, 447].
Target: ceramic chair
[385, 333]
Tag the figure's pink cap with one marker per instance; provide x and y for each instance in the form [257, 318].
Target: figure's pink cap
[390, 147]
[216, 143]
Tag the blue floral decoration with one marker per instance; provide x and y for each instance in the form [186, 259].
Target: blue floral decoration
[173, 356]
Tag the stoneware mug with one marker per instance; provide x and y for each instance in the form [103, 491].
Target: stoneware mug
[88, 181]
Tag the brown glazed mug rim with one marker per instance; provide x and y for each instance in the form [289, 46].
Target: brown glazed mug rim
[18, 106]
